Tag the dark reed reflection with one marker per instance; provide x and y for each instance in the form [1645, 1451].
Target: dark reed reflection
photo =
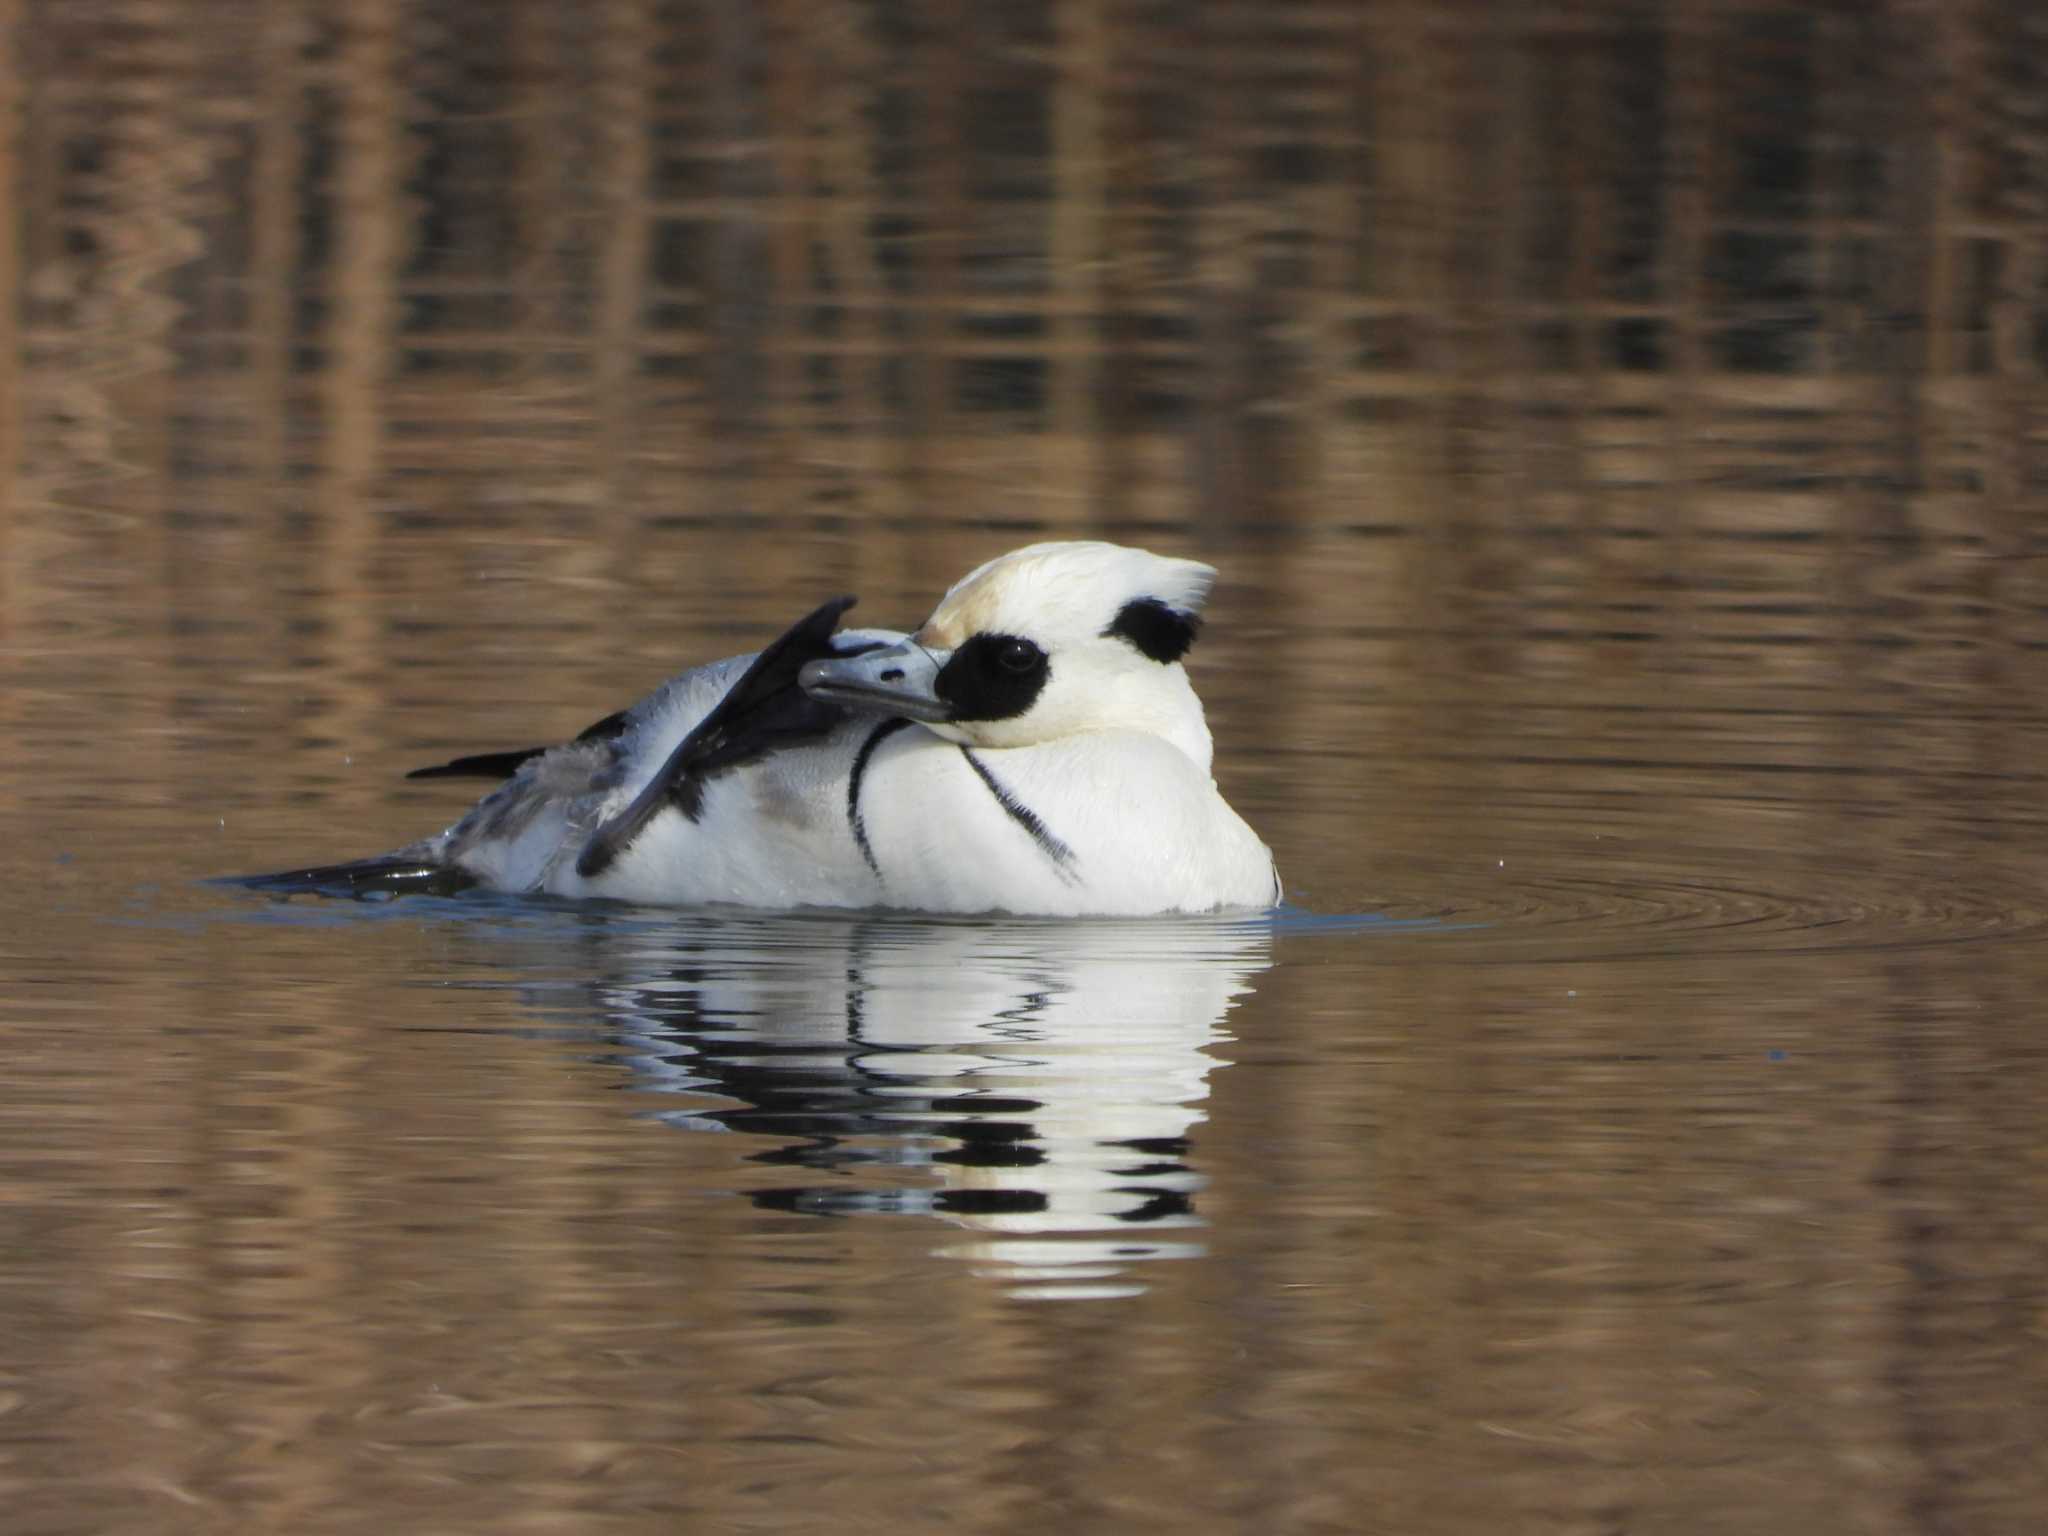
[1037, 1085]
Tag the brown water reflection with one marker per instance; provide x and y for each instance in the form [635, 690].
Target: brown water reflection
[1622, 436]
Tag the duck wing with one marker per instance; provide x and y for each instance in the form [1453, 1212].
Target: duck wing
[765, 711]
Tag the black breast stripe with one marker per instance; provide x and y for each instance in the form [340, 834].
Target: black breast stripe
[1061, 855]
[854, 820]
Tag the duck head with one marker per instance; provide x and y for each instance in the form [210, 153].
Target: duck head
[1039, 644]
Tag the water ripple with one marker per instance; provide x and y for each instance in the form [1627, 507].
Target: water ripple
[1701, 911]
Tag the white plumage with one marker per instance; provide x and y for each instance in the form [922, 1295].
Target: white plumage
[1034, 748]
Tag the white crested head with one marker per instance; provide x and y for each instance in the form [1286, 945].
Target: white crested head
[1067, 588]
[1055, 639]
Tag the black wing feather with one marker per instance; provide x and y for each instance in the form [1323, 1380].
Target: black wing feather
[502, 765]
[764, 712]
[480, 765]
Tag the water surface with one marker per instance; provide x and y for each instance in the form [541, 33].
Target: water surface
[1633, 640]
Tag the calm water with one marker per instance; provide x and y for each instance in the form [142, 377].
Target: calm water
[1633, 641]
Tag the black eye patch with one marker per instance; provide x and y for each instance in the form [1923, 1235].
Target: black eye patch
[993, 677]
[1160, 632]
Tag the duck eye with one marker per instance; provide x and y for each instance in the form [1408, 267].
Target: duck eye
[992, 677]
[1019, 656]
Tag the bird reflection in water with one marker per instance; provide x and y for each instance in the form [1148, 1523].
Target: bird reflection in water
[1034, 1083]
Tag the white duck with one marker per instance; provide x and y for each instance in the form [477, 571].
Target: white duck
[1035, 748]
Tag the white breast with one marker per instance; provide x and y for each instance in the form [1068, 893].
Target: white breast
[1104, 823]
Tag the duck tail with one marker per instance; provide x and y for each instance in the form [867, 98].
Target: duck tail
[393, 874]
